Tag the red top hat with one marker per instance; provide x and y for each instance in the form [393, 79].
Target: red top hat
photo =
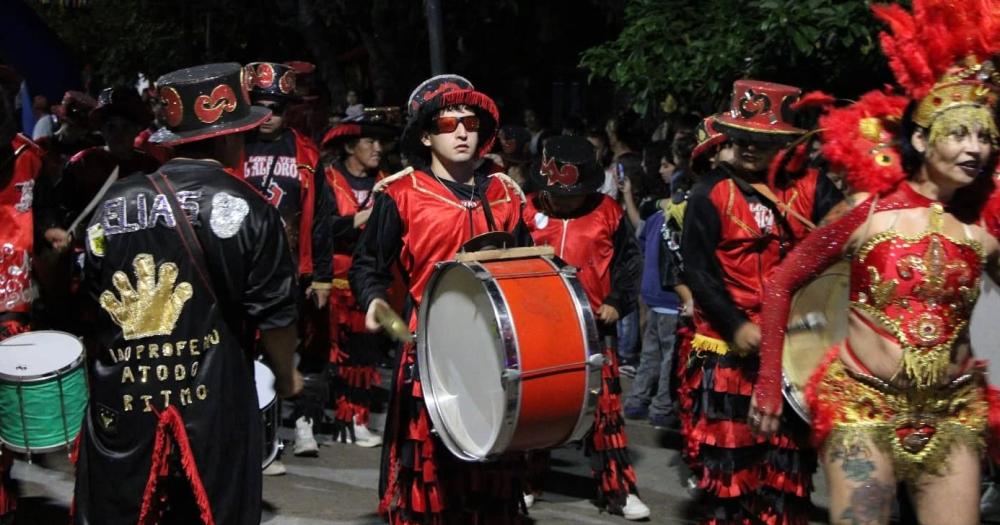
[707, 137]
[760, 111]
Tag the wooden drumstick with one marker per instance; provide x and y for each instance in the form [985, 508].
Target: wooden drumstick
[393, 324]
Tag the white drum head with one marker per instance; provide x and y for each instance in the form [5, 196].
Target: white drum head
[34, 354]
[264, 378]
[984, 329]
[464, 362]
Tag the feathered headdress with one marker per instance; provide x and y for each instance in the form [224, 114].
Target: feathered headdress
[941, 55]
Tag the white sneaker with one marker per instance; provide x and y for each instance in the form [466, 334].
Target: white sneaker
[989, 505]
[634, 509]
[365, 438]
[305, 442]
[276, 468]
[529, 500]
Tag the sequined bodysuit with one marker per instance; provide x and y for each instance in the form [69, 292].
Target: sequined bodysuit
[921, 289]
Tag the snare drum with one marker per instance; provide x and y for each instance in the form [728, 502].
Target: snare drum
[43, 391]
[267, 401]
[509, 356]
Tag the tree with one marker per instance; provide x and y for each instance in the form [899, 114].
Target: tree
[695, 50]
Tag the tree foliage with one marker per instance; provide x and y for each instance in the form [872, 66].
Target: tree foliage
[694, 50]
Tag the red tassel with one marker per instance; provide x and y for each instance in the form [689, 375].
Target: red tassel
[814, 99]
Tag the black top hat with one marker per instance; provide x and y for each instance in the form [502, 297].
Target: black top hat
[568, 167]
[121, 102]
[206, 101]
[271, 81]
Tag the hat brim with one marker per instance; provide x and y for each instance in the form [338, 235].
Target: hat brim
[166, 137]
[375, 131]
[740, 129]
[707, 145]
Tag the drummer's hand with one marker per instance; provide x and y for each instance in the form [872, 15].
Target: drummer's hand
[320, 296]
[761, 423]
[286, 390]
[371, 322]
[747, 338]
[607, 313]
[58, 238]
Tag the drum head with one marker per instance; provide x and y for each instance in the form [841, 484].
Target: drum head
[264, 379]
[984, 330]
[827, 295]
[34, 355]
[462, 363]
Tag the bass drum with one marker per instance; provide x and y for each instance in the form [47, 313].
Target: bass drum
[267, 402]
[984, 330]
[509, 356]
[817, 321]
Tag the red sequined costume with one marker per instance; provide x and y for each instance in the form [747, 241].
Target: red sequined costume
[598, 240]
[916, 291]
[419, 220]
[16, 250]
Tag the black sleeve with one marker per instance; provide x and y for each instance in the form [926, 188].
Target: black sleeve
[377, 250]
[827, 196]
[522, 234]
[702, 271]
[270, 291]
[342, 226]
[322, 238]
[626, 269]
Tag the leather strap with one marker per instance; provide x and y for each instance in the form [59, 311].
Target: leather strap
[189, 238]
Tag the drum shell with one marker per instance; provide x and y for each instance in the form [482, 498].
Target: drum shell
[548, 338]
[268, 403]
[30, 427]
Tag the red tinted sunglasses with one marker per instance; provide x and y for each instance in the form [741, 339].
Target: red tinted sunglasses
[450, 124]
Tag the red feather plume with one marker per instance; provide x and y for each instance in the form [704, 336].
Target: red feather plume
[921, 46]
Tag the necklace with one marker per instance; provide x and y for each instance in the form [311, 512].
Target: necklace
[467, 204]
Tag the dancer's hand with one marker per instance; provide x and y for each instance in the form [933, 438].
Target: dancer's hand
[760, 422]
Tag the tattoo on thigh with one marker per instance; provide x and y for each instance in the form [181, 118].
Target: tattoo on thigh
[870, 503]
[855, 460]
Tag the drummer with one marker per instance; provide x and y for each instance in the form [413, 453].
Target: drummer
[734, 234]
[421, 218]
[589, 231]
[17, 180]
[169, 435]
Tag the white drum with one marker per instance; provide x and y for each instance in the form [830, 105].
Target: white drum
[267, 401]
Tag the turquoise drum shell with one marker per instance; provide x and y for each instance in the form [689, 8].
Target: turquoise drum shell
[30, 417]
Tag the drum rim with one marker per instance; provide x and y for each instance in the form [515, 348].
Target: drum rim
[512, 354]
[588, 324]
[430, 396]
[59, 372]
[276, 442]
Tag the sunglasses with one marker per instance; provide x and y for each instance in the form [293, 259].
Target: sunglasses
[450, 124]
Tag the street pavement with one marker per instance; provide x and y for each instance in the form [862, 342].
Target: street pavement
[340, 486]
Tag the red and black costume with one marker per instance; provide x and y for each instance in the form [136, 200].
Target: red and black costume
[599, 241]
[353, 350]
[733, 238]
[417, 221]
[172, 432]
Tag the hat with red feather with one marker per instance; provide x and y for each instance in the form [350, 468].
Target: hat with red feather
[441, 92]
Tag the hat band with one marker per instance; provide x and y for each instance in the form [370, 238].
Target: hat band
[946, 96]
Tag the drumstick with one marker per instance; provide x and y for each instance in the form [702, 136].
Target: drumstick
[393, 324]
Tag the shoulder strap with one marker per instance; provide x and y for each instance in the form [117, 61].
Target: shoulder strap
[189, 238]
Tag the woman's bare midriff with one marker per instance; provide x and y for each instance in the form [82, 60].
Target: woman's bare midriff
[882, 357]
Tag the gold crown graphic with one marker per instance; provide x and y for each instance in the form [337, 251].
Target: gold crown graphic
[153, 306]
